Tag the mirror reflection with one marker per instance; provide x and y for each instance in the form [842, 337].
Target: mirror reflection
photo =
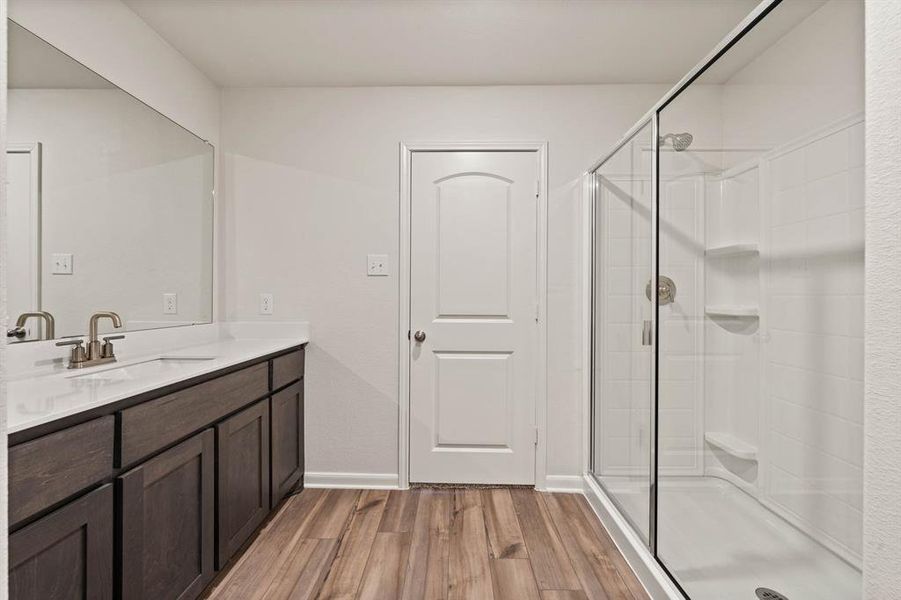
[110, 203]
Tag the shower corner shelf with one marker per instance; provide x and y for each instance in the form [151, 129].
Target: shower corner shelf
[728, 310]
[731, 445]
[732, 250]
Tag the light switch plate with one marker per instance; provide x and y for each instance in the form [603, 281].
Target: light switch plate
[377, 265]
[170, 304]
[62, 263]
[265, 304]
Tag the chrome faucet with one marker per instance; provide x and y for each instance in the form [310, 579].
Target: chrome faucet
[19, 330]
[97, 352]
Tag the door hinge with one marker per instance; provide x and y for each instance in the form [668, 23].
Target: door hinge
[537, 187]
[537, 312]
[536, 436]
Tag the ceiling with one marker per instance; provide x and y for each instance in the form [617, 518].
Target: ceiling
[251, 43]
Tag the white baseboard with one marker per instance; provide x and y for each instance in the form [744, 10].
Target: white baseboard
[568, 484]
[370, 481]
[571, 484]
[651, 575]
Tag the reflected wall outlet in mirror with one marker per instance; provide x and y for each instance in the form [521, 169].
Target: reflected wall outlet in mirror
[265, 304]
[377, 265]
[62, 263]
[170, 304]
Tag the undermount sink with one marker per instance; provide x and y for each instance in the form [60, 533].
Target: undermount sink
[155, 366]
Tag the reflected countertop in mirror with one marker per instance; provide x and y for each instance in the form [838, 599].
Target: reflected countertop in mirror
[110, 202]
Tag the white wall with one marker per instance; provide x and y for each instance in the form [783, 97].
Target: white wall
[311, 181]
[882, 417]
[125, 191]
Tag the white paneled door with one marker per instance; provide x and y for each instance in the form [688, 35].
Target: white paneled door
[23, 185]
[473, 316]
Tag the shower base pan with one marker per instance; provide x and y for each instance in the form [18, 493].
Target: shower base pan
[719, 543]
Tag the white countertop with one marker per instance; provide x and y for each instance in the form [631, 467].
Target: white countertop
[42, 396]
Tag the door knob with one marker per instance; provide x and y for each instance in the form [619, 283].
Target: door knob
[419, 336]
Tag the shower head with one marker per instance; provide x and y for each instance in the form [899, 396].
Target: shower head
[681, 141]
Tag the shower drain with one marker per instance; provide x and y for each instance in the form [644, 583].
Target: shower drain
[768, 594]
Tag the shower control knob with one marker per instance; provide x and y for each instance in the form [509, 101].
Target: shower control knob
[419, 336]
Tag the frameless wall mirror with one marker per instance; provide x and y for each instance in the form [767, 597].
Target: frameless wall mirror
[110, 202]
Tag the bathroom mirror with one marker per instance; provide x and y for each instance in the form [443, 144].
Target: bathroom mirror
[110, 202]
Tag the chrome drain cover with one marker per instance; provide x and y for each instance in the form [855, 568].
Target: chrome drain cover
[768, 594]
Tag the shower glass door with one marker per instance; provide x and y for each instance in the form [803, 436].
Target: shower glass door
[760, 362]
[622, 381]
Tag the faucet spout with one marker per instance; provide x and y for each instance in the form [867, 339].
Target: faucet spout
[49, 322]
[94, 351]
[104, 314]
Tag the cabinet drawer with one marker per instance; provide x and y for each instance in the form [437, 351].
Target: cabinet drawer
[287, 368]
[152, 425]
[66, 555]
[49, 469]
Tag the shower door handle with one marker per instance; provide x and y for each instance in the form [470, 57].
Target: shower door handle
[646, 337]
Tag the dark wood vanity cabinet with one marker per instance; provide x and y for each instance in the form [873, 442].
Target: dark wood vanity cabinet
[243, 467]
[147, 497]
[66, 555]
[287, 440]
[46, 470]
[167, 522]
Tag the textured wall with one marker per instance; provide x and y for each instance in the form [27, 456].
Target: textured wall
[882, 417]
[311, 183]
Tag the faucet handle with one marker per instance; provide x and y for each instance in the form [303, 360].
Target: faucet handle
[77, 355]
[75, 342]
[106, 350]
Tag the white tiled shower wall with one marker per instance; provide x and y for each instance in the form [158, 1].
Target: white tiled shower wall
[814, 358]
[681, 361]
[624, 368]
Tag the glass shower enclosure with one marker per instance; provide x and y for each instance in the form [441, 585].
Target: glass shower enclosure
[727, 314]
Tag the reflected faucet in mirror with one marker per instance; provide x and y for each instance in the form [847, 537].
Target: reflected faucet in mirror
[97, 352]
[19, 331]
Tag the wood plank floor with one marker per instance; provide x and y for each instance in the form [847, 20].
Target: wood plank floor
[431, 544]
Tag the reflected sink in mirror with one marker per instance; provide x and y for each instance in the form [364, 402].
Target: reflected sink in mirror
[148, 368]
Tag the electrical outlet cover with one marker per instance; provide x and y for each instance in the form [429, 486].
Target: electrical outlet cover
[170, 304]
[62, 263]
[377, 265]
[265, 304]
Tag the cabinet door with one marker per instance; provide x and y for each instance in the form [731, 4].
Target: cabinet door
[67, 555]
[287, 440]
[167, 523]
[243, 467]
